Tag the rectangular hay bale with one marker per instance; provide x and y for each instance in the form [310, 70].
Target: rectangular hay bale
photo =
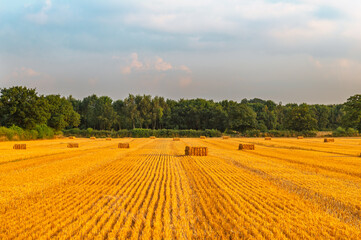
[267, 138]
[71, 137]
[196, 151]
[329, 140]
[300, 137]
[93, 138]
[123, 145]
[73, 145]
[152, 137]
[108, 139]
[225, 137]
[203, 137]
[246, 146]
[19, 146]
[176, 139]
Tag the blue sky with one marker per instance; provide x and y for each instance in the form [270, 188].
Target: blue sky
[289, 51]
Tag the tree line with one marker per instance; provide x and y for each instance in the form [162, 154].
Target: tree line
[25, 108]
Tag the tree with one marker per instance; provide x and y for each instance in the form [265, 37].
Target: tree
[241, 117]
[131, 109]
[299, 118]
[22, 107]
[352, 108]
[105, 114]
[62, 113]
[322, 114]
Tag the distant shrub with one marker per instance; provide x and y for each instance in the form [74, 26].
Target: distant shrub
[341, 132]
[142, 133]
[44, 131]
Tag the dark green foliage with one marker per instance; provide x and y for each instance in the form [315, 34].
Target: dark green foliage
[144, 115]
[352, 118]
[300, 118]
[143, 133]
[62, 114]
[22, 107]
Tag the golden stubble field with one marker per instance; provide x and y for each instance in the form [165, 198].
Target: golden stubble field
[284, 189]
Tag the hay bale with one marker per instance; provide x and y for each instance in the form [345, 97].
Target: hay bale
[72, 137]
[93, 138]
[300, 137]
[203, 137]
[267, 138]
[246, 146]
[196, 151]
[19, 146]
[176, 139]
[225, 137]
[108, 139]
[73, 145]
[329, 140]
[123, 145]
[152, 137]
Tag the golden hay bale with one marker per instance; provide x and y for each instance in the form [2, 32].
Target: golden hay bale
[196, 151]
[246, 147]
[152, 137]
[19, 146]
[203, 137]
[225, 137]
[93, 138]
[123, 145]
[329, 140]
[108, 139]
[300, 137]
[267, 138]
[176, 139]
[73, 145]
[71, 137]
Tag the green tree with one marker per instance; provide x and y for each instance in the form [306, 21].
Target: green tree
[352, 109]
[299, 118]
[22, 107]
[61, 112]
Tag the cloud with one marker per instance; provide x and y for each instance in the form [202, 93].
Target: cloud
[160, 65]
[134, 64]
[184, 68]
[185, 81]
[24, 72]
[41, 17]
[154, 64]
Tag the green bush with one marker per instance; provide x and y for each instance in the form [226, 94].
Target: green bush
[44, 131]
[341, 132]
[142, 133]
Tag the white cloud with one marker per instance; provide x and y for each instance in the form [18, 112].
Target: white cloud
[24, 72]
[185, 81]
[154, 64]
[134, 64]
[184, 68]
[160, 65]
[41, 17]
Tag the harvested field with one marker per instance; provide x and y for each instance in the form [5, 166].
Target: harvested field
[284, 189]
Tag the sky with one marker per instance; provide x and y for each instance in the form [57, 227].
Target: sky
[287, 51]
